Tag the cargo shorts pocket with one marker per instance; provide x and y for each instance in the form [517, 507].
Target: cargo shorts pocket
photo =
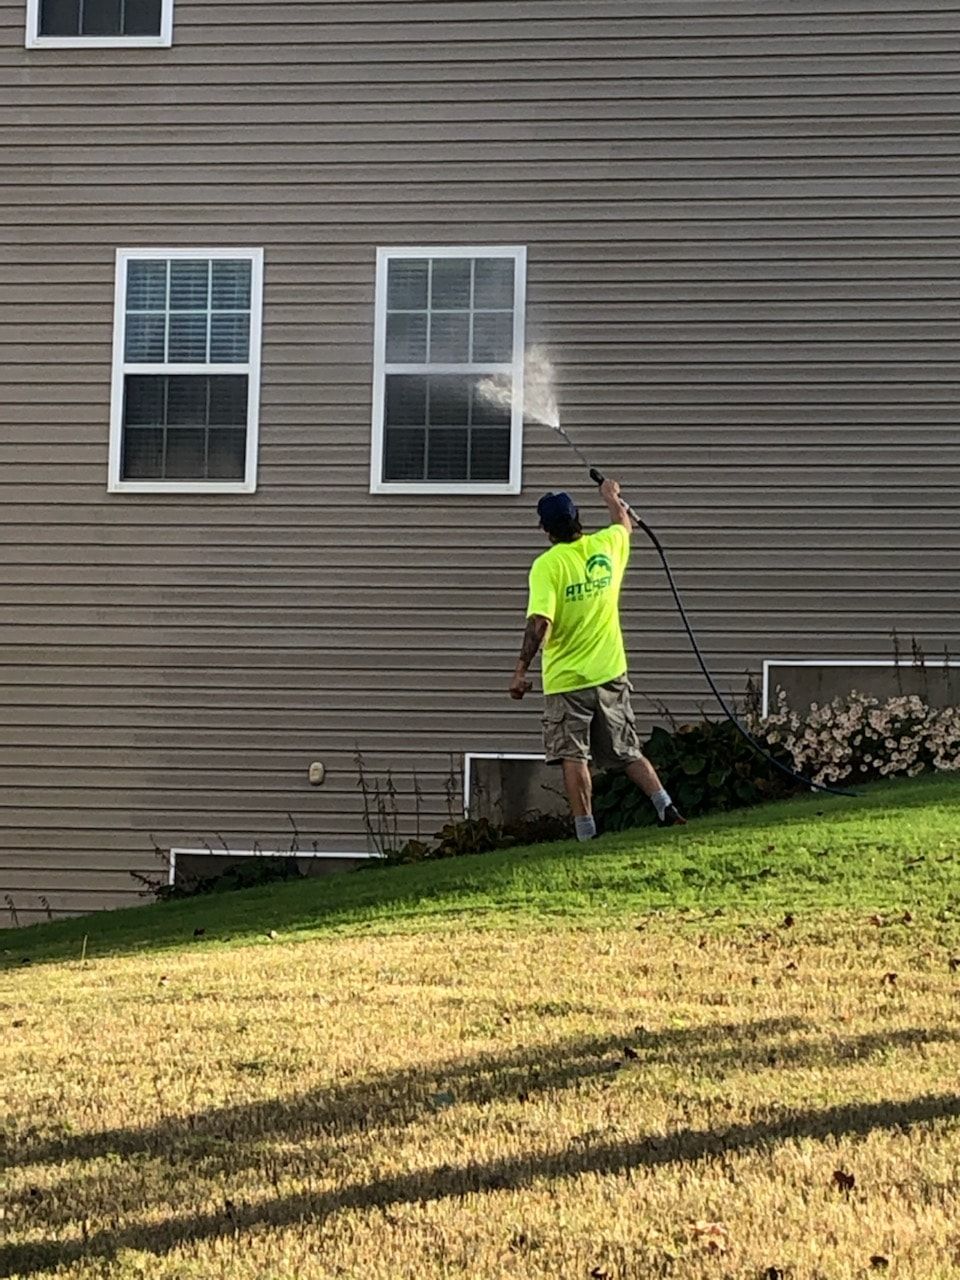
[617, 742]
[566, 735]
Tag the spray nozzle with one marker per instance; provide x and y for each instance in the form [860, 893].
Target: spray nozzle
[596, 476]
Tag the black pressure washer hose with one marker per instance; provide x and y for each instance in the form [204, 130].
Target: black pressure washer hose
[598, 478]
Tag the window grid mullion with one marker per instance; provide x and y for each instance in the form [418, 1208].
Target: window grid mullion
[429, 344]
[209, 307]
[166, 322]
[473, 279]
[206, 431]
[163, 440]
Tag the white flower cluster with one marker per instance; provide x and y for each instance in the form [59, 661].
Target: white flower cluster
[857, 737]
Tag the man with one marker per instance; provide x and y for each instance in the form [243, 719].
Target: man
[574, 609]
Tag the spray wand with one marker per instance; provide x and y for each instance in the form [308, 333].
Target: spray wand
[598, 478]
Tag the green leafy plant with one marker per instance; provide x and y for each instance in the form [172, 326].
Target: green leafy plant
[706, 766]
[243, 874]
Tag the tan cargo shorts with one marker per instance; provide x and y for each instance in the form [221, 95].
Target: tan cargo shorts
[592, 724]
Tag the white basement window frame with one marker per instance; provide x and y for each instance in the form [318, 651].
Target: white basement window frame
[509, 371]
[468, 769]
[35, 40]
[320, 855]
[122, 369]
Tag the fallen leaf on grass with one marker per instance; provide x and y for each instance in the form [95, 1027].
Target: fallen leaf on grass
[714, 1236]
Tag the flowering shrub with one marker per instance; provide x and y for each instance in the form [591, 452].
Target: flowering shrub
[858, 738]
[707, 766]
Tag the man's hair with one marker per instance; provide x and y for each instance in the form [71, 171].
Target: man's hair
[564, 528]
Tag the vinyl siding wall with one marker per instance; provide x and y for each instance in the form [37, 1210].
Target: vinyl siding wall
[743, 237]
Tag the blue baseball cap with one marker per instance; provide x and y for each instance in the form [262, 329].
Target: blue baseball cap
[555, 508]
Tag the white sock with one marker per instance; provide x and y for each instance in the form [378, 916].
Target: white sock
[661, 802]
[586, 827]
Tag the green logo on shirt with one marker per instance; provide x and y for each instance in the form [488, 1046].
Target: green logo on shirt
[599, 566]
[599, 577]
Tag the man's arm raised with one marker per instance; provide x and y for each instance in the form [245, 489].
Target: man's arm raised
[610, 493]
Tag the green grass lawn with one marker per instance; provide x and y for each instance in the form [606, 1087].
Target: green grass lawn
[727, 1052]
[895, 848]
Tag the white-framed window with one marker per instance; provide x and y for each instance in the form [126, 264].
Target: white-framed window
[186, 371]
[449, 323]
[99, 24]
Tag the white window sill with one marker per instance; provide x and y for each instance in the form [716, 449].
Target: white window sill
[182, 486]
[443, 490]
[98, 42]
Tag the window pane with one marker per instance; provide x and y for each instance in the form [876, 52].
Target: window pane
[450, 290]
[449, 402]
[141, 18]
[59, 17]
[186, 448]
[406, 401]
[493, 410]
[228, 401]
[143, 340]
[447, 454]
[189, 285]
[187, 400]
[226, 454]
[490, 455]
[143, 398]
[146, 285]
[449, 338]
[406, 338]
[229, 339]
[231, 283]
[407, 284]
[188, 338]
[403, 454]
[493, 283]
[493, 337]
[102, 18]
[142, 453]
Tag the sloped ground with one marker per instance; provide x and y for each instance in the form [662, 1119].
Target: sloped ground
[729, 1052]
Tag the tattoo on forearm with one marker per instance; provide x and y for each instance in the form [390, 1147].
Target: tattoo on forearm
[532, 640]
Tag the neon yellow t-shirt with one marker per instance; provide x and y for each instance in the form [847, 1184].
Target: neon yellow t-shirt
[577, 586]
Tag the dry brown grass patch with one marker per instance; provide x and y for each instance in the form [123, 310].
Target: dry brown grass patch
[607, 1104]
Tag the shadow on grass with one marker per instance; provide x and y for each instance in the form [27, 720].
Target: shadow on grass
[225, 1141]
[686, 1146]
[539, 883]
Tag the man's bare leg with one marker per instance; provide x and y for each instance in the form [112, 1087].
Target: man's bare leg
[579, 788]
[643, 775]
